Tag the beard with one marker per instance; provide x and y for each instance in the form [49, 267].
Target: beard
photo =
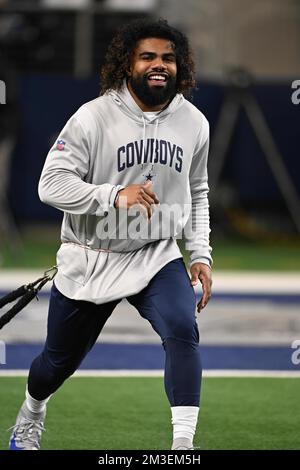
[153, 95]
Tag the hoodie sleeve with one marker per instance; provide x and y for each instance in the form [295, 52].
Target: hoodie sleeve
[62, 182]
[197, 230]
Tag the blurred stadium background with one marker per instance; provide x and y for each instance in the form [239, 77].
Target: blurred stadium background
[247, 57]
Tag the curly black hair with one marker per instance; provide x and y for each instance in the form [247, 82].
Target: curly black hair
[117, 59]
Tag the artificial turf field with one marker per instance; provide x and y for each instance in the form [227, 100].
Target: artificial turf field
[132, 413]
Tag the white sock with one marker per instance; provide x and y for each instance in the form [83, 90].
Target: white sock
[184, 420]
[35, 406]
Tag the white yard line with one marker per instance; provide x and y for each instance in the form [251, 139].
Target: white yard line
[159, 373]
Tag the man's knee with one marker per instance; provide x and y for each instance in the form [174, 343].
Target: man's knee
[58, 369]
[184, 327]
[177, 347]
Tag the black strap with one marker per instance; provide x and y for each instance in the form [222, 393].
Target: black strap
[15, 294]
[27, 293]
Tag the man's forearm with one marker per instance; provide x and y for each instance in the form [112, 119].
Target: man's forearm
[67, 192]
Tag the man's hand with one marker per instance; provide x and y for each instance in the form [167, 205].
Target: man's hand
[203, 272]
[141, 194]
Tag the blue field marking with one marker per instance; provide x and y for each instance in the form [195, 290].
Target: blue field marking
[276, 297]
[111, 356]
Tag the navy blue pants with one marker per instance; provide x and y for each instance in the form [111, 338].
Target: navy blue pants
[168, 303]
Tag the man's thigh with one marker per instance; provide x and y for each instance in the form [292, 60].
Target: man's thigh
[169, 301]
[74, 325]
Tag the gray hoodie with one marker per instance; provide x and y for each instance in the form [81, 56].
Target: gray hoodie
[108, 144]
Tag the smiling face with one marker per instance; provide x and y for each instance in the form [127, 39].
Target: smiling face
[152, 74]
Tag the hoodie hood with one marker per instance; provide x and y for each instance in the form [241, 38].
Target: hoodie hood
[129, 107]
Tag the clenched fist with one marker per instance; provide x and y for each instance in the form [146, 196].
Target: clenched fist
[141, 194]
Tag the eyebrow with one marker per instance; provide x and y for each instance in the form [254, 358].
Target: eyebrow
[165, 54]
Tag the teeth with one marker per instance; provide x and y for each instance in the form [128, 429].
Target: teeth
[157, 77]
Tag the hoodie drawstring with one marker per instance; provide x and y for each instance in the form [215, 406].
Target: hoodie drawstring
[144, 140]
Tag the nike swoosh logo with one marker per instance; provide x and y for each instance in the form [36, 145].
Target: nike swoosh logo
[12, 444]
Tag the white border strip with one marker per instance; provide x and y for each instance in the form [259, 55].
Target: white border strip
[159, 373]
[244, 282]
